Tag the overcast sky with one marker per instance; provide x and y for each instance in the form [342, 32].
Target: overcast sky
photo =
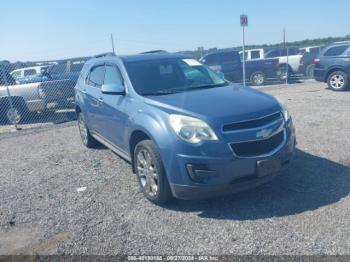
[40, 30]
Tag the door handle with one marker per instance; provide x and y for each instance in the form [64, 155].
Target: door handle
[100, 99]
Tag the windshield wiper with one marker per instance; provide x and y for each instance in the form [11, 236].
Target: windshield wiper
[207, 86]
[161, 93]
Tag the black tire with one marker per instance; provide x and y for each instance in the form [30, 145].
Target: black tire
[309, 72]
[153, 171]
[85, 135]
[257, 78]
[338, 81]
[16, 114]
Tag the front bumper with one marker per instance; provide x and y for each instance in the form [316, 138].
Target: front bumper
[228, 173]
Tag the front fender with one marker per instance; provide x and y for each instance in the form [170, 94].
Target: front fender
[155, 126]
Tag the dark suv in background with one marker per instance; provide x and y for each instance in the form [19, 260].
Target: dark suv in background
[258, 71]
[333, 66]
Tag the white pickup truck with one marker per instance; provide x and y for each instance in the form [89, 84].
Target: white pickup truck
[17, 101]
[293, 60]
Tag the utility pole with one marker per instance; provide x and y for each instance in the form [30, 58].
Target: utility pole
[244, 23]
[112, 42]
[287, 52]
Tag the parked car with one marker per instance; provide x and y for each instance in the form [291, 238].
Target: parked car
[187, 132]
[288, 58]
[253, 54]
[27, 74]
[333, 66]
[18, 100]
[229, 63]
[306, 64]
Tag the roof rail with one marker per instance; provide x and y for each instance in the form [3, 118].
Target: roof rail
[104, 54]
[342, 42]
[154, 52]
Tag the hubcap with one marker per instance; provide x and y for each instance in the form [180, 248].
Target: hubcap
[258, 79]
[13, 115]
[337, 81]
[147, 172]
[83, 130]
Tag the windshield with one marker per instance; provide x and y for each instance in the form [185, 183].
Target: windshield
[168, 76]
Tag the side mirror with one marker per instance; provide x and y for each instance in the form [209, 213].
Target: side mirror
[221, 74]
[113, 89]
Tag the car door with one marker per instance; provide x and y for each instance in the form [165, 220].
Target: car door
[93, 96]
[232, 66]
[112, 114]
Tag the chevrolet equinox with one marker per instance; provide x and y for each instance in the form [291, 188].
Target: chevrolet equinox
[187, 132]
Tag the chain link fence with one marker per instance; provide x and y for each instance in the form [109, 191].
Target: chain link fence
[35, 94]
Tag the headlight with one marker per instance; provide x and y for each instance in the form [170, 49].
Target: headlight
[285, 112]
[191, 130]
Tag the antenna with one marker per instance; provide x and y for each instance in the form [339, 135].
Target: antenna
[112, 41]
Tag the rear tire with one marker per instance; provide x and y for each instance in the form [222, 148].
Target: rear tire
[85, 135]
[15, 115]
[338, 81]
[309, 72]
[150, 173]
[257, 78]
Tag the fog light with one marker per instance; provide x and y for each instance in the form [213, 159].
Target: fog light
[199, 172]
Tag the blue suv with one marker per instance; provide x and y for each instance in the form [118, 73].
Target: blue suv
[187, 132]
[333, 66]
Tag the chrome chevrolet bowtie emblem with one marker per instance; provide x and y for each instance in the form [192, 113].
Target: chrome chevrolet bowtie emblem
[264, 133]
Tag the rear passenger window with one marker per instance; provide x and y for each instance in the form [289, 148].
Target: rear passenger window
[97, 76]
[337, 50]
[255, 54]
[113, 76]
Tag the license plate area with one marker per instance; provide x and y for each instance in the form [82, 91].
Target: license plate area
[268, 167]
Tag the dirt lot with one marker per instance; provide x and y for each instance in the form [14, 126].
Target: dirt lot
[304, 211]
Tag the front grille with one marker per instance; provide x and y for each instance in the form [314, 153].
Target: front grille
[258, 147]
[252, 123]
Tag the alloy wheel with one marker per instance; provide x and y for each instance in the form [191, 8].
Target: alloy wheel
[147, 172]
[14, 115]
[337, 81]
[258, 79]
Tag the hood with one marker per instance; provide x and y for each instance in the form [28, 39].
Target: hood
[218, 105]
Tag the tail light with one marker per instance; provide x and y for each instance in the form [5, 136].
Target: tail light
[277, 65]
[316, 61]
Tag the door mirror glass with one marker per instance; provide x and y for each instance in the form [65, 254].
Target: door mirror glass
[221, 74]
[113, 89]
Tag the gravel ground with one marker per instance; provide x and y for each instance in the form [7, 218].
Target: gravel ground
[304, 211]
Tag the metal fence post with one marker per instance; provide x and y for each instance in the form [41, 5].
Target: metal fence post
[10, 98]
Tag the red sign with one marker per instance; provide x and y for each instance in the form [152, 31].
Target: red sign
[244, 20]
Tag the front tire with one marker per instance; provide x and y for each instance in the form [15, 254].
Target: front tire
[85, 135]
[257, 78]
[150, 173]
[338, 81]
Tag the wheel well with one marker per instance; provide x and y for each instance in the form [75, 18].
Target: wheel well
[16, 101]
[136, 137]
[332, 71]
